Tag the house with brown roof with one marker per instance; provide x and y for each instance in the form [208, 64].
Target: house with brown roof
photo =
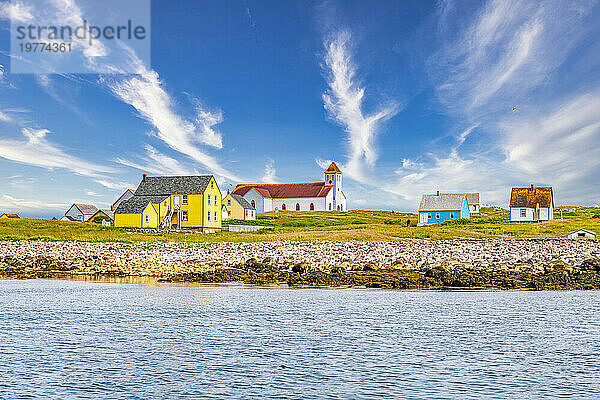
[326, 195]
[531, 204]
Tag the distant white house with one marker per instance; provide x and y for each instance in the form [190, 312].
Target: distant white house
[581, 233]
[80, 212]
[531, 204]
[125, 196]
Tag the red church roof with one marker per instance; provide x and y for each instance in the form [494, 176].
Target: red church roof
[333, 168]
[286, 190]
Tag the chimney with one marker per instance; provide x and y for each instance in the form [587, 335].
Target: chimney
[438, 193]
[531, 188]
[144, 177]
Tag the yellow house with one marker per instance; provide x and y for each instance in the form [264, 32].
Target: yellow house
[238, 207]
[172, 202]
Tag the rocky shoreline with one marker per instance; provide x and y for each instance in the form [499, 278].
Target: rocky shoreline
[535, 264]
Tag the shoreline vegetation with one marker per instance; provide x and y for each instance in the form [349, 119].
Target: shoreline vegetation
[374, 249]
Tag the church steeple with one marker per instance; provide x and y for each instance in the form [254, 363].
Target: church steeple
[333, 177]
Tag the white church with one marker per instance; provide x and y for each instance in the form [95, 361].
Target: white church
[311, 196]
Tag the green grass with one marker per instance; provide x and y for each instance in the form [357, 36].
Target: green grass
[291, 225]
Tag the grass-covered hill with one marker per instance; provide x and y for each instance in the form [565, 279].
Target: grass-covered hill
[291, 225]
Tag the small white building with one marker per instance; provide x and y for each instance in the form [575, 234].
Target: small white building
[80, 212]
[326, 195]
[531, 204]
[581, 233]
[224, 213]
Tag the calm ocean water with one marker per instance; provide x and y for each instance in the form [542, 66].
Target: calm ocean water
[69, 339]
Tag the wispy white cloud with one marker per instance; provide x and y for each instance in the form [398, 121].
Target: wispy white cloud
[5, 117]
[37, 150]
[344, 104]
[9, 203]
[16, 11]
[508, 50]
[146, 94]
[561, 142]
[114, 185]
[270, 174]
[155, 162]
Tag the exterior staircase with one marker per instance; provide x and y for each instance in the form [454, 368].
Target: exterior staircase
[167, 220]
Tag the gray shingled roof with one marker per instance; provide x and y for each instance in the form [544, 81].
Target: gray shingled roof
[472, 198]
[167, 185]
[243, 202]
[442, 202]
[137, 204]
[86, 208]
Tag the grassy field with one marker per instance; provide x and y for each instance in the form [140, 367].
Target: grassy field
[290, 225]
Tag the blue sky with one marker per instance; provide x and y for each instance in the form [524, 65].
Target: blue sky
[409, 97]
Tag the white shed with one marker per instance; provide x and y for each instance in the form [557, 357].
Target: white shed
[581, 233]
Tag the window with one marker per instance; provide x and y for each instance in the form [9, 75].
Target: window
[246, 213]
[165, 203]
[283, 206]
[253, 204]
[428, 215]
[312, 207]
[228, 202]
[147, 218]
[451, 215]
[184, 201]
[212, 185]
[329, 206]
[523, 212]
[215, 215]
[297, 206]
[437, 215]
[184, 215]
[209, 199]
[209, 215]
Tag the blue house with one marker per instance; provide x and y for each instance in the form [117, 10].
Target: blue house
[437, 208]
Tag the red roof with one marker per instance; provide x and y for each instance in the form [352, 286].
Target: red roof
[333, 168]
[286, 190]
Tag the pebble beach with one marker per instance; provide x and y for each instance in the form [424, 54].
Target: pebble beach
[183, 261]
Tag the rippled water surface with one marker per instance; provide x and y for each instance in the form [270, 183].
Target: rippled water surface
[67, 339]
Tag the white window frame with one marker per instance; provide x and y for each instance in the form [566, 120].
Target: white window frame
[428, 215]
[147, 218]
[209, 199]
[523, 213]
[437, 215]
[209, 215]
[215, 215]
[184, 215]
[228, 202]
[184, 200]
[451, 215]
